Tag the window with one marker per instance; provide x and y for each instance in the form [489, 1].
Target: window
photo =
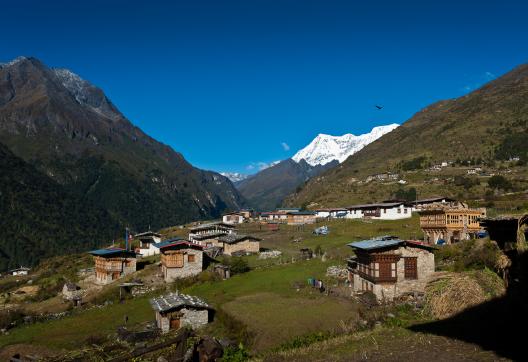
[399, 211]
[404, 211]
[191, 258]
[411, 268]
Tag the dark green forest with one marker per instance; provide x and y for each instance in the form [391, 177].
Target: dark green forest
[39, 218]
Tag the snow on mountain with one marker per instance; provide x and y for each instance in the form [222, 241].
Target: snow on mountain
[234, 176]
[326, 148]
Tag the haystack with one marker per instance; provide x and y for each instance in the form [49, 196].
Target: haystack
[451, 293]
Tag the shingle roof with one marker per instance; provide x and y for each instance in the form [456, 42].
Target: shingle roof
[234, 238]
[209, 236]
[211, 225]
[174, 301]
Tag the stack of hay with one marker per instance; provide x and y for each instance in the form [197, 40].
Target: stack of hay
[451, 293]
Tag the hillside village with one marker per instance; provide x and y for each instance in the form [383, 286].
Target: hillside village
[155, 286]
[301, 182]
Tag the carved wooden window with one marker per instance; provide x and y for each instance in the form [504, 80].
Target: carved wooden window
[191, 258]
[411, 268]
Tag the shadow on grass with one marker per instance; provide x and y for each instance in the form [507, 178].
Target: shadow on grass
[498, 325]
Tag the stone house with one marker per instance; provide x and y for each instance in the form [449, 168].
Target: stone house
[174, 311]
[331, 213]
[71, 292]
[180, 259]
[237, 243]
[233, 218]
[390, 267]
[112, 264]
[448, 225]
[147, 242]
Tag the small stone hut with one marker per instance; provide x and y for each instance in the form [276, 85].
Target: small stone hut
[180, 259]
[71, 292]
[233, 243]
[174, 311]
[390, 267]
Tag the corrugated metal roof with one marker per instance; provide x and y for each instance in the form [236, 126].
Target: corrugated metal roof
[302, 213]
[369, 206]
[174, 301]
[175, 242]
[374, 243]
[112, 251]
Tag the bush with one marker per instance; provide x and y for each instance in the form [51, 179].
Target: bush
[414, 164]
[235, 354]
[7, 317]
[499, 182]
[238, 265]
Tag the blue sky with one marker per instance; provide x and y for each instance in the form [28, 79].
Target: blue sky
[235, 84]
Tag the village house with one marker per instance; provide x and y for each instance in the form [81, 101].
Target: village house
[287, 209]
[19, 271]
[331, 213]
[175, 311]
[180, 259]
[233, 218]
[235, 243]
[274, 217]
[213, 230]
[147, 241]
[247, 213]
[381, 211]
[301, 217]
[112, 264]
[449, 225]
[390, 267]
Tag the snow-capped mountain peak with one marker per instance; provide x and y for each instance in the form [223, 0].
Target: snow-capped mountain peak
[234, 176]
[326, 148]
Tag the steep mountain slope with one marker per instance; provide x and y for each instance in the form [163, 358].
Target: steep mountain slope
[266, 189]
[326, 148]
[70, 131]
[40, 219]
[488, 124]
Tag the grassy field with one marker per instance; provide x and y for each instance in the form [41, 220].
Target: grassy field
[267, 300]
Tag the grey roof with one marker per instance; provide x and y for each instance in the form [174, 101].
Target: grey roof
[147, 233]
[174, 301]
[209, 236]
[234, 238]
[302, 213]
[211, 225]
[433, 199]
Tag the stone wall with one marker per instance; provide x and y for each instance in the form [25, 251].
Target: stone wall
[249, 246]
[389, 291]
[188, 269]
[194, 318]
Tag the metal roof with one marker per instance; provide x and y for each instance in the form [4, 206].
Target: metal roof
[209, 236]
[175, 242]
[302, 213]
[112, 251]
[370, 206]
[147, 233]
[374, 244]
[174, 301]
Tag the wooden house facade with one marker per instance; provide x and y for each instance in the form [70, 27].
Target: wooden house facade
[112, 264]
[450, 225]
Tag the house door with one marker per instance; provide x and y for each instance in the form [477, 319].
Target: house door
[175, 323]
